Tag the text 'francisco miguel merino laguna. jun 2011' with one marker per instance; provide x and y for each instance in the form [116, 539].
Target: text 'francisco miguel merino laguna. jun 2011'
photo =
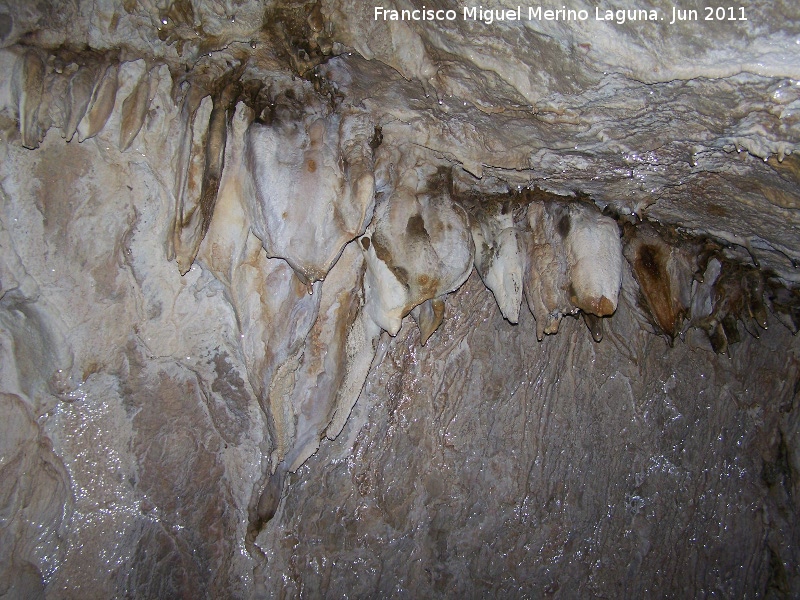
[540, 13]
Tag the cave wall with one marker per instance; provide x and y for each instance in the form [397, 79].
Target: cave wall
[485, 462]
[488, 464]
[131, 384]
[183, 417]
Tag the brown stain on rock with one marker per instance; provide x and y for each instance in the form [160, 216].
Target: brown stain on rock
[428, 287]
[649, 261]
[415, 228]
[401, 274]
[600, 307]
[604, 307]
[60, 170]
[716, 210]
[564, 225]
[311, 165]
[381, 248]
[383, 254]
[650, 268]
[429, 316]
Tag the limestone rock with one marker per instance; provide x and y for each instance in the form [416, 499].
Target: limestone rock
[263, 420]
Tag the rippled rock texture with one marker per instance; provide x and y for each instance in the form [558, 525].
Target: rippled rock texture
[488, 464]
[244, 352]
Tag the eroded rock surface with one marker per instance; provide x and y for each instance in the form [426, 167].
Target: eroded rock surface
[244, 352]
[487, 463]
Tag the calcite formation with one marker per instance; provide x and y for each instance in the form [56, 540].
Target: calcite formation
[417, 248]
[664, 273]
[500, 256]
[574, 263]
[243, 352]
[310, 177]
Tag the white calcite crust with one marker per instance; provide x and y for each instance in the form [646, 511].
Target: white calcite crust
[574, 262]
[594, 255]
[311, 180]
[417, 248]
[500, 257]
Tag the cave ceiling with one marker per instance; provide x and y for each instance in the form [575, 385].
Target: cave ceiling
[692, 123]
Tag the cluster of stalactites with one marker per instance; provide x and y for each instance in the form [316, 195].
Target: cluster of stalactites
[689, 284]
[74, 92]
[306, 174]
[77, 92]
[324, 234]
[561, 256]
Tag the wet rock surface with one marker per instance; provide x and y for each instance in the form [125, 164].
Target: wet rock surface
[213, 216]
[486, 463]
